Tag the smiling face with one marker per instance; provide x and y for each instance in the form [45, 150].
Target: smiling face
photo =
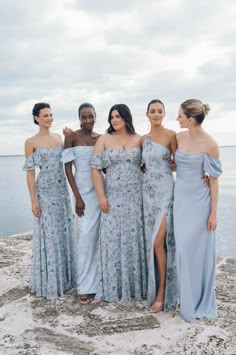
[45, 118]
[156, 113]
[117, 121]
[87, 118]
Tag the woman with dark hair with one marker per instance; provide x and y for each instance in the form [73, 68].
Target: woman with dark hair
[78, 151]
[159, 147]
[195, 212]
[53, 270]
[122, 265]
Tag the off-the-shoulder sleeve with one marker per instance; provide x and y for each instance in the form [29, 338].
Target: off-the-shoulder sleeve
[212, 166]
[29, 163]
[67, 155]
[100, 160]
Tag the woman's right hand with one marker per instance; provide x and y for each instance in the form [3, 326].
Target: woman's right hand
[79, 207]
[67, 131]
[103, 204]
[36, 209]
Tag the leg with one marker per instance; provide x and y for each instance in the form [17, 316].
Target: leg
[160, 254]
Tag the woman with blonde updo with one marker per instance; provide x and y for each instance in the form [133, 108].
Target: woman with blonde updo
[195, 212]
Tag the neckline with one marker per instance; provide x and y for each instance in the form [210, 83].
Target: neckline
[122, 150]
[158, 144]
[188, 153]
[58, 146]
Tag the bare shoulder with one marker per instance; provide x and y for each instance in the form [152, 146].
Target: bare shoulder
[57, 137]
[69, 139]
[30, 145]
[96, 135]
[143, 139]
[212, 147]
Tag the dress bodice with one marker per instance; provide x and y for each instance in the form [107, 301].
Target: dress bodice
[47, 159]
[123, 167]
[80, 155]
[192, 166]
[156, 157]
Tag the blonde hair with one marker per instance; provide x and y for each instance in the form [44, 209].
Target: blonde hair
[196, 109]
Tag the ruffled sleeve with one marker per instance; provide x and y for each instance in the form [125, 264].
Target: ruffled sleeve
[67, 155]
[29, 163]
[212, 166]
[100, 160]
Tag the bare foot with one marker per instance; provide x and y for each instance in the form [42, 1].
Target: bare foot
[156, 307]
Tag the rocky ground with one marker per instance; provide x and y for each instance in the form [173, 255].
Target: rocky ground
[31, 326]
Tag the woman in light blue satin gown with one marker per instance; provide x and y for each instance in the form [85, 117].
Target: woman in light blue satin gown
[195, 213]
[122, 264]
[78, 151]
[158, 194]
[53, 264]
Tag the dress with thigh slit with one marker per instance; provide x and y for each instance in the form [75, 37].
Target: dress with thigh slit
[158, 191]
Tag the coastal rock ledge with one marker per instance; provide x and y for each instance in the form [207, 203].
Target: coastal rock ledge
[32, 326]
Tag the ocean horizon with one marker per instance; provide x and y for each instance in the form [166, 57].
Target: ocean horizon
[16, 216]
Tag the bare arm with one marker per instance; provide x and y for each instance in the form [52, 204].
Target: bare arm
[30, 176]
[214, 187]
[79, 203]
[98, 180]
[173, 148]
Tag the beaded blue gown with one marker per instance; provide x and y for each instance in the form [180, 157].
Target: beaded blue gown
[122, 273]
[53, 263]
[195, 245]
[158, 195]
[87, 226]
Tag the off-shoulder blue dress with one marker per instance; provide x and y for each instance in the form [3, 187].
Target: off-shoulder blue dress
[158, 196]
[122, 272]
[195, 245]
[87, 226]
[53, 266]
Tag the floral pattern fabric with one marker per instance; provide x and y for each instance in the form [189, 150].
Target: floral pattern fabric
[122, 265]
[53, 266]
[158, 192]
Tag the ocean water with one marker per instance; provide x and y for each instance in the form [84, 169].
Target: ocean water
[16, 216]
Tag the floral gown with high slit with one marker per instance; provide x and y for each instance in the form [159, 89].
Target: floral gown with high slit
[158, 193]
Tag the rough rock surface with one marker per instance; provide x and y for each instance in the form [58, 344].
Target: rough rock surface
[32, 326]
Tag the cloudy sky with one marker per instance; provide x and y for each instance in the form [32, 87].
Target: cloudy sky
[106, 52]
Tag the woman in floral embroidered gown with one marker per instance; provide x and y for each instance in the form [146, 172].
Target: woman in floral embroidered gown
[122, 265]
[53, 268]
[158, 191]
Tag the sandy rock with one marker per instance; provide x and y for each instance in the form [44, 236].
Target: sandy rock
[35, 326]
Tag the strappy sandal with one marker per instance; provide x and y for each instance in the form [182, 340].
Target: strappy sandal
[156, 307]
[83, 299]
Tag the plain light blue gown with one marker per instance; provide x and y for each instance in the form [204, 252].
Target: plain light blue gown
[158, 196]
[53, 263]
[87, 227]
[195, 245]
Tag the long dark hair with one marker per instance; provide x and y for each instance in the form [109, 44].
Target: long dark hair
[37, 107]
[125, 114]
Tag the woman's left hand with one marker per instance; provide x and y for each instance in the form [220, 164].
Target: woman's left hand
[212, 222]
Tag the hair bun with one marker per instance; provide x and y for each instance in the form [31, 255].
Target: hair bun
[205, 109]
